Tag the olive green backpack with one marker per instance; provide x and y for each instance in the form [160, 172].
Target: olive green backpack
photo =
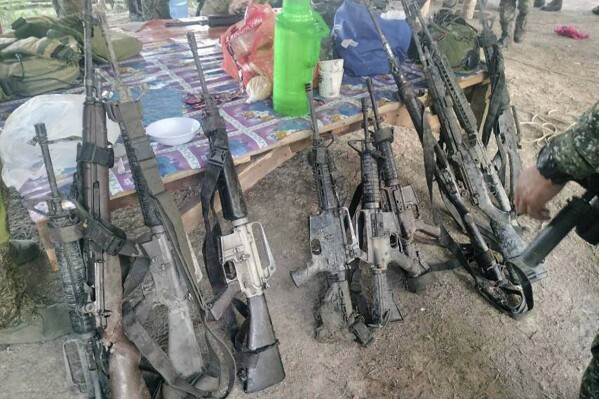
[457, 39]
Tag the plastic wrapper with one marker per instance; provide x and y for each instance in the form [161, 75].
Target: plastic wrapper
[248, 45]
[62, 114]
[258, 88]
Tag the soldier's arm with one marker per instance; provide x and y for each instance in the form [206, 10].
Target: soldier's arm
[573, 155]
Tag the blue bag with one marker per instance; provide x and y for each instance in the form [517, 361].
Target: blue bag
[356, 41]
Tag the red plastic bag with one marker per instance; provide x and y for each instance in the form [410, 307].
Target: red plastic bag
[570, 31]
[248, 45]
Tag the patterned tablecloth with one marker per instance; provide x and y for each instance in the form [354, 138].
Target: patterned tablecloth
[166, 70]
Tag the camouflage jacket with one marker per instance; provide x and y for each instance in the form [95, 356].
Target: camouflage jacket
[573, 155]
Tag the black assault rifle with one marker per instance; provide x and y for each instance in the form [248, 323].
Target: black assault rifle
[333, 245]
[240, 261]
[468, 156]
[402, 201]
[87, 249]
[86, 348]
[504, 286]
[502, 119]
[380, 236]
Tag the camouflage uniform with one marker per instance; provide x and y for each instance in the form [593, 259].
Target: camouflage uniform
[155, 9]
[15, 306]
[574, 155]
[14, 303]
[68, 7]
[507, 13]
[589, 389]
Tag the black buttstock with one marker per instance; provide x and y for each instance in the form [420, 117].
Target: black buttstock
[264, 367]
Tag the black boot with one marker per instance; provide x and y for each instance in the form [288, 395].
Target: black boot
[520, 30]
[539, 3]
[555, 5]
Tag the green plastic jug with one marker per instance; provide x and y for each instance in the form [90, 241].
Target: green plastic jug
[299, 30]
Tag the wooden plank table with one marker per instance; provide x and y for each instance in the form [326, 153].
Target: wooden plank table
[252, 167]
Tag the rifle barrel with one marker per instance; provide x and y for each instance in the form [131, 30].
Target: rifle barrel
[365, 123]
[87, 44]
[42, 139]
[193, 45]
[375, 108]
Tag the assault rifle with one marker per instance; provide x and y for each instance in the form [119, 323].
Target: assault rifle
[403, 203]
[581, 213]
[101, 241]
[86, 349]
[504, 286]
[502, 119]
[240, 261]
[173, 267]
[87, 250]
[333, 245]
[469, 157]
[379, 233]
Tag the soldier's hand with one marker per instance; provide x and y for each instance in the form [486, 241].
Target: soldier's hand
[238, 6]
[533, 191]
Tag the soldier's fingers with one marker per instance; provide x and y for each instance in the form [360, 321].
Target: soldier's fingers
[520, 206]
[545, 214]
[537, 212]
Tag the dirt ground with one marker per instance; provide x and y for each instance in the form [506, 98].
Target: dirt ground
[452, 344]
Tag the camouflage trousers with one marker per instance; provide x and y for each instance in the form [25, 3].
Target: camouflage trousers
[68, 7]
[589, 389]
[507, 12]
[14, 303]
[148, 9]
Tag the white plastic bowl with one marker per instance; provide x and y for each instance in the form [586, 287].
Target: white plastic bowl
[174, 131]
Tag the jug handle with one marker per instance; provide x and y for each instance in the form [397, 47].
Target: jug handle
[321, 31]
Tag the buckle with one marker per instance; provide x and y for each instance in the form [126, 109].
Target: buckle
[218, 156]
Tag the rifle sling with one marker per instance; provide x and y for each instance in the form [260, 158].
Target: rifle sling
[91, 153]
[104, 235]
[214, 172]
[445, 239]
[497, 102]
[160, 360]
[129, 115]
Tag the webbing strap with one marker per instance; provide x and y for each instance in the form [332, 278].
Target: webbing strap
[497, 102]
[156, 356]
[91, 153]
[106, 236]
[210, 247]
[129, 115]
[445, 239]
